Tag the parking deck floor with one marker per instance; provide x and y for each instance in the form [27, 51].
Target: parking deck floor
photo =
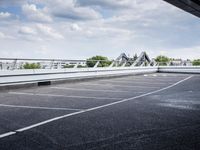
[143, 112]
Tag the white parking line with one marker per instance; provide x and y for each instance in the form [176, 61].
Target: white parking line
[157, 77]
[91, 109]
[163, 80]
[70, 96]
[164, 75]
[34, 107]
[150, 75]
[137, 82]
[111, 85]
[145, 81]
[86, 89]
[6, 134]
[150, 82]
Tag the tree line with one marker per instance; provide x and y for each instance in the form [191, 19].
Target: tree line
[164, 60]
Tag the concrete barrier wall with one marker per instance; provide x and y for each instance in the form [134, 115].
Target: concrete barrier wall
[40, 75]
[179, 69]
[37, 75]
[7, 73]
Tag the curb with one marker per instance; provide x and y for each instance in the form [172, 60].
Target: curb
[31, 84]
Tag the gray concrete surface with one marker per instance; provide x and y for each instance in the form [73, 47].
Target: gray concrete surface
[154, 111]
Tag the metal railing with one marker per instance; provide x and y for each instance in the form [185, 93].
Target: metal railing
[171, 64]
[20, 63]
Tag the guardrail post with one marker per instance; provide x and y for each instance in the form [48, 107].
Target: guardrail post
[124, 64]
[59, 65]
[112, 64]
[76, 65]
[51, 65]
[1, 65]
[14, 64]
[96, 65]
[133, 64]
[143, 64]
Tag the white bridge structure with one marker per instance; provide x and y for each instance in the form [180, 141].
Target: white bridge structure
[12, 71]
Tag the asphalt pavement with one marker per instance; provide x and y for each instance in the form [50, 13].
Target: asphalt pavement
[145, 112]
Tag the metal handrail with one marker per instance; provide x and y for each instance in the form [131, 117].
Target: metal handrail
[58, 63]
[65, 60]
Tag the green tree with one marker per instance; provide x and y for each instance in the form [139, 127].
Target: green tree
[68, 66]
[80, 66]
[93, 60]
[196, 62]
[32, 66]
[162, 60]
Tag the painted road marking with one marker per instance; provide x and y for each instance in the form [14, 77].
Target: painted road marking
[111, 85]
[35, 107]
[6, 134]
[86, 89]
[92, 109]
[70, 96]
[148, 82]
[163, 80]
[133, 80]
[158, 77]
[137, 82]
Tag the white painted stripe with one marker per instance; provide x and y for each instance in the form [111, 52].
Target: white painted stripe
[156, 77]
[146, 81]
[150, 75]
[35, 107]
[151, 82]
[163, 80]
[128, 90]
[98, 107]
[70, 96]
[164, 75]
[6, 134]
[122, 81]
[86, 89]
[111, 85]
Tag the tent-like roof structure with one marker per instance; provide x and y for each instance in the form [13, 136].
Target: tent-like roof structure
[191, 6]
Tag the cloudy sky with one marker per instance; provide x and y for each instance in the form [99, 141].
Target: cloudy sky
[77, 29]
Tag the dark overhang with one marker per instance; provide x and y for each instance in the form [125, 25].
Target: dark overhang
[191, 6]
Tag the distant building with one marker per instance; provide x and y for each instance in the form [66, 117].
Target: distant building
[62, 64]
[180, 62]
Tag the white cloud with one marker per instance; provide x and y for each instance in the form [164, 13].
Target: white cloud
[111, 4]
[75, 27]
[38, 32]
[5, 36]
[2, 35]
[73, 13]
[27, 30]
[67, 9]
[6, 16]
[91, 27]
[34, 14]
[48, 31]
